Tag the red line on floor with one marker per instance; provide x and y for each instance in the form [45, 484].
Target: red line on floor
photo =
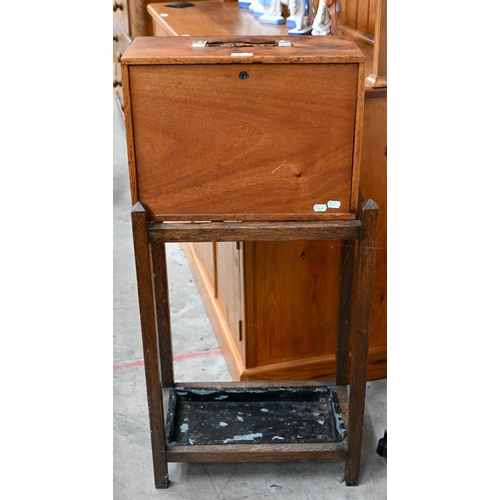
[211, 352]
[128, 364]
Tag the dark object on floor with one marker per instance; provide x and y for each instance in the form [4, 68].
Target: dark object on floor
[179, 5]
[382, 446]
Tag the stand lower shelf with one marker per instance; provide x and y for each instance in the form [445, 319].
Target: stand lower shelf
[258, 422]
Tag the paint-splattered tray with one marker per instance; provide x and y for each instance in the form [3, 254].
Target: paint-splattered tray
[254, 414]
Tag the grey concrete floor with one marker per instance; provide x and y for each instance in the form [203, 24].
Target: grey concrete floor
[196, 358]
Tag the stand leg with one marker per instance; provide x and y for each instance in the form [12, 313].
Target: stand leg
[345, 308]
[145, 287]
[162, 301]
[364, 292]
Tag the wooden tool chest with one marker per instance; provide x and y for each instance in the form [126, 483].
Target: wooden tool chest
[214, 139]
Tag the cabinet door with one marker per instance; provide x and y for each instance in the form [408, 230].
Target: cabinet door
[294, 301]
[229, 289]
[217, 269]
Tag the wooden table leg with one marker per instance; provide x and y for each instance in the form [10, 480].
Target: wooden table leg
[345, 305]
[364, 292]
[145, 288]
[162, 302]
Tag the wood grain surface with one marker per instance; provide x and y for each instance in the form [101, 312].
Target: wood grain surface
[259, 158]
[162, 304]
[282, 320]
[164, 232]
[361, 338]
[179, 50]
[147, 313]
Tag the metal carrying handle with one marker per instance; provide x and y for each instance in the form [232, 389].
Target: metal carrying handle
[267, 43]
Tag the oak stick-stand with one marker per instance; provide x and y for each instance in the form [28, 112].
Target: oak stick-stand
[335, 435]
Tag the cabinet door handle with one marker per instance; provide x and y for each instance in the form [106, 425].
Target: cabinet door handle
[117, 5]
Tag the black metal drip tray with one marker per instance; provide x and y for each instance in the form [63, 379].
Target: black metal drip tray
[257, 416]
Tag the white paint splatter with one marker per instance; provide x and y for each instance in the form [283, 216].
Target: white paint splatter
[246, 437]
[184, 427]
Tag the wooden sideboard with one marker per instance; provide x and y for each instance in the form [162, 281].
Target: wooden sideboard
[270, 303]
[130, 19]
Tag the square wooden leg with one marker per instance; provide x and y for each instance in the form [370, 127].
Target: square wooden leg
[345, 304]
[364, 292]
[147, 311]
[162, 304]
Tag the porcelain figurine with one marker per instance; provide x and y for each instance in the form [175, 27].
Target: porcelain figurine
[322, 24]
[301, 16]
[273, 14]
[263, 7]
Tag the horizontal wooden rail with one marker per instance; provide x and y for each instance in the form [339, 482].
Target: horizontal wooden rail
[165, 232]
